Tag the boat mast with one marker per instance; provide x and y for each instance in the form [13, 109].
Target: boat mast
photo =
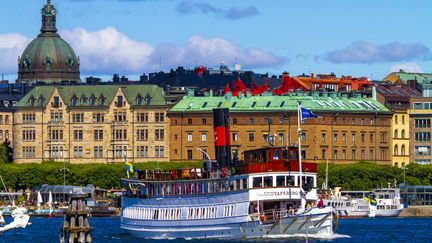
[299, 145]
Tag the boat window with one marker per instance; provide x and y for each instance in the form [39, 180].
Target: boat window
[257, 182]
[280, 181]
[310, 181]
[244, 183]
[285, 154]
[292, 154]
[276, 154]
[232, 185]
[268, 181]
[290, 180]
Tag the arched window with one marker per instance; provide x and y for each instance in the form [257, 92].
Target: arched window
[139, 100]
[395, 134]
[403, 149]
[395, 152]
[101, 100]
[92, 100]
[83, 100]
[74, 100]
[403, 133]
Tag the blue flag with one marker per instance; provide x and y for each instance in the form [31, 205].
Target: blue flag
[305, 113]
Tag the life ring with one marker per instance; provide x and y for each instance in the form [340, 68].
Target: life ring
[380, 201]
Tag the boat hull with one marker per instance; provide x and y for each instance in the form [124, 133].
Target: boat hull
[388, 212]
[317, 222]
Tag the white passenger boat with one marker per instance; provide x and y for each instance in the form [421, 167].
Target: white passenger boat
[347, 205]
[388, 202]
[263, 197]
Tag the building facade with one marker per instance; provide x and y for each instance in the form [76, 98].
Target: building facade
[397, 99]
[420, 115]
[96, 124]
[347, 131]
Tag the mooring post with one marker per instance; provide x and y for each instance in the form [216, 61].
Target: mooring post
[76, 227]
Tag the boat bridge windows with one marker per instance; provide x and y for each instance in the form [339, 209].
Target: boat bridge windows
[282, 180]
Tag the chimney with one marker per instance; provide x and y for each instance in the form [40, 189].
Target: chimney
[312, 75]
[221, 126]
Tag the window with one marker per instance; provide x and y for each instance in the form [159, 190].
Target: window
[395, 135]
[98, 134]
[234, 137]
[159, 116]
[251, 137]
[142, 134]
[29, 118]
[371, 154]
[159, 134]
[353, 137]
[281, 137]
[159, 151]
[353, 154]
[343, 154]
[267, 120]
[78, 135]
[189, 137]
[323, 136]
[204, 121]
[142, 151]
[120, 134]
[403, 119]
[78, 117]
[403, 149]
[383, 154]
[251, 120]
[343, 137]
[56, 101]
[335, 137]
[203, 137]
[139, 100]
[120, 116]
[92, 100]
[371, 137]
[56, 117]
[120, 101]
[56, 151]
[422, 123]
[55, 135]
[363, 137]
[189, 121]
[303, 136]
[28, 152]
[403, 133]
[422, 136]
[323, 154]
[422, 150]
[98, 151]
[78, 152]
[362, 154]
[383, 137]
[142, 117]
[189, 154]
[98, 117]
[395, 150]
[234, 121]
[27, 135]
[396, 119]
[120, 151]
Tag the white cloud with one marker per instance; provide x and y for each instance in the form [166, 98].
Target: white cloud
[366, 52]
[410, 67]
[108, 51]
[11, 46]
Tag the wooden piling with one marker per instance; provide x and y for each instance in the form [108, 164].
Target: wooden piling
[76, 227]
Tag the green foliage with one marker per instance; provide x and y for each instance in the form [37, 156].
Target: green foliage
[23, 176]
[367, 176]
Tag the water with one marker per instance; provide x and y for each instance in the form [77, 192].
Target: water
[350, 230]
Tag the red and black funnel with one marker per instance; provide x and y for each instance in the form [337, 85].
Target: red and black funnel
[222, 137]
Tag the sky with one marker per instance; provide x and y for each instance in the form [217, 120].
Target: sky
[130, 37]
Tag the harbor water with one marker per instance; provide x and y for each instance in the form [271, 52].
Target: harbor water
[350, 230]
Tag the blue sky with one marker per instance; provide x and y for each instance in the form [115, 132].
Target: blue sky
[359, 38]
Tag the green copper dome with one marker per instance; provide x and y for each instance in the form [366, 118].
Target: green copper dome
[48, 58]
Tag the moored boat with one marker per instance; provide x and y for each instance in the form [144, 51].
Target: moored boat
[387, 202]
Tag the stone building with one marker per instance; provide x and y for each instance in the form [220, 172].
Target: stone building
[91, 124]
[420, 115]
[348, 130]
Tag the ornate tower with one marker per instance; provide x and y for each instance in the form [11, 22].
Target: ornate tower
[48, 58]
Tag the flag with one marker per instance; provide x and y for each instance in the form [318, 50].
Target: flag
[305, 113]
[129, 167]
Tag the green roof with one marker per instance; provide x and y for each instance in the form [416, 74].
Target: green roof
[41, 94]
[425, 79]
[266, 103]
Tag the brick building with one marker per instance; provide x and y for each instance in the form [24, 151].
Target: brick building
[348, 130]
[420, 115]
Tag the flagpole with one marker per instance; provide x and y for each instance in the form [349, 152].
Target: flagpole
[299, 146]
